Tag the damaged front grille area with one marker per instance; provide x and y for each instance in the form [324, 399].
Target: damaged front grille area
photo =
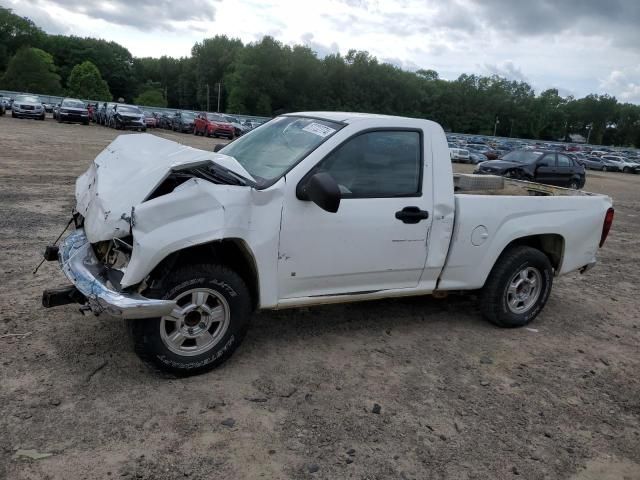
[114, 253]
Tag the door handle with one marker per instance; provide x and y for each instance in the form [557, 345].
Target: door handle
[411, 215]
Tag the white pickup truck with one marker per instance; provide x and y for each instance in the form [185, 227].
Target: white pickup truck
[309, 208]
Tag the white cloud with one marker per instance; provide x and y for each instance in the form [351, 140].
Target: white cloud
[624, 84]
[508, 70]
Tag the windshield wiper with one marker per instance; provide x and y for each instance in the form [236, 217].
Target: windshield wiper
[218, 174]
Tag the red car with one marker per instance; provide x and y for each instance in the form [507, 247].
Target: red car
[213, 125]
[150, 119]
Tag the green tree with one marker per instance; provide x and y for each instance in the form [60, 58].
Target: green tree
[153, 97]
[32, 70]
[16, 32]
[86, 82]
[113, 60]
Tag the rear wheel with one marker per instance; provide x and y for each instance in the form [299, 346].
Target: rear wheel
[209, 322]
[573, 184]
[518, 287]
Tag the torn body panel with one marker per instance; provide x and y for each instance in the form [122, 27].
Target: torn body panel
[112, 197]
[125, 173]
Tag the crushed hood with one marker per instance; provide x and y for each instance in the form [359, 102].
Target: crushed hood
[125, 173]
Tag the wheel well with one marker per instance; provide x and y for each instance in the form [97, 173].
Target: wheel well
[551, 244]
[230, 252]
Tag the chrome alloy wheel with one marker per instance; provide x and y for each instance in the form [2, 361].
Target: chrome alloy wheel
[199, 321]
[524, 290]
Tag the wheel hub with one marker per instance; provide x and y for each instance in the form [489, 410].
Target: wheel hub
[199, 321]
[523, 290]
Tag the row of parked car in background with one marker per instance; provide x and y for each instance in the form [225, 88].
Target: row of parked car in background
[122, 116]
[559, 164]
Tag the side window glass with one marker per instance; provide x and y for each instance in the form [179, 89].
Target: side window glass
[548, 160]
[377, 164]
[564, 161]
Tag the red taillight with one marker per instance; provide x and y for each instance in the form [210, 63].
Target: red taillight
[606, 226]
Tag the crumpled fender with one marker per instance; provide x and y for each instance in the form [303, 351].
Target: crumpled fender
[199, 212]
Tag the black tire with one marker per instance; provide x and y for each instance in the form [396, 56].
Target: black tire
[605, 169]
[146, 334]
[573, 184]
[626, 169]
[494, 299]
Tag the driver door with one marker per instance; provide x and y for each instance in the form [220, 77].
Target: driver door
[546, 170]
[372, 242]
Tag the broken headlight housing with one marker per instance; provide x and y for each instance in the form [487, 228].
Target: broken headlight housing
[114, 253]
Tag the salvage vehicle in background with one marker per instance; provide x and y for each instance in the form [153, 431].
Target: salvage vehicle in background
[548, 167]
[476, 157]
[311, 208]
[238, 128]
[593, 162]
[127, 117]
[27, 106]
[213, 125]
[459, 155]
[72, 110]
[622, 163]
[150, 119]
[183, 122]
[487, 151]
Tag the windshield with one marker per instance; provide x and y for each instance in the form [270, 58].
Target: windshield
[27, 98]
[189, 115]
[128, 109]
[522, 156]
[269, 152]
[73, 104]
[231, 119]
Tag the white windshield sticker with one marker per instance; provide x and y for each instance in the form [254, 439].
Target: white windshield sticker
[319, 129]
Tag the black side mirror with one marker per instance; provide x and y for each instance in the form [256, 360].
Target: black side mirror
[322, 189]
[218, 146]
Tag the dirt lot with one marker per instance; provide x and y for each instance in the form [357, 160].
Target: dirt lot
[459, 398]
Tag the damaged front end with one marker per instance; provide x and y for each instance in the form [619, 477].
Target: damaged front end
[96, 286]
[142, 199]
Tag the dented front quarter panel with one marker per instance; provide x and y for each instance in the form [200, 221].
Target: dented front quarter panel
[199, 212]
[112, 194]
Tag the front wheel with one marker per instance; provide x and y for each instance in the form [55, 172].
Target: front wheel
[605, 169]
[518, 287]
[209, 322]
[626, 169]
[573, 184]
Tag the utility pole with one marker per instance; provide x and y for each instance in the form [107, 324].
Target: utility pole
[590, 126]
[208, 109]
[511, 129]
[495, 126]
[219, 86]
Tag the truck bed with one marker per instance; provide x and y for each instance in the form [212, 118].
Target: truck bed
[469, 184]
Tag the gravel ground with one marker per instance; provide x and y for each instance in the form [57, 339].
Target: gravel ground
[408, 388]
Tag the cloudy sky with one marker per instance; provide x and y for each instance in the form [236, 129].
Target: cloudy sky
[577, 46]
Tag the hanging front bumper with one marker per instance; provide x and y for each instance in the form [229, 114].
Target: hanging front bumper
[81, 266]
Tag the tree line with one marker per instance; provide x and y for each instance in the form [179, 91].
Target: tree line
[268, 77]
